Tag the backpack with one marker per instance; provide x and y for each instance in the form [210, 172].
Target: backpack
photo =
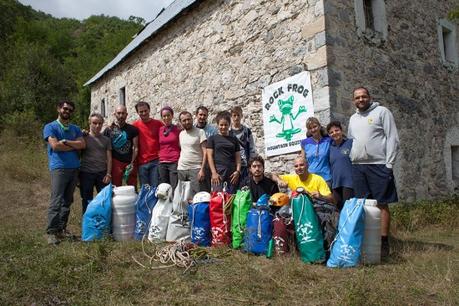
[161, 213]
[283, 231]
[97, 218]
[179, 226]
[258, 231]
[345, 251]
[146, 201]
[241, 206]
[200, 221]
[309, 238]
[328, 215]
[220, 217]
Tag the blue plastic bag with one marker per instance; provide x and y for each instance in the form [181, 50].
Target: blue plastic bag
[259, 227]
[200, 223]
[98, 216]
[345, 251]
[144, 205]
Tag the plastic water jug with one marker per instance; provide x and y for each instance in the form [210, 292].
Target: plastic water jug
[123, 212]
[371, 247]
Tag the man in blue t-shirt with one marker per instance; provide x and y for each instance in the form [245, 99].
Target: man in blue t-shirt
[64, 141]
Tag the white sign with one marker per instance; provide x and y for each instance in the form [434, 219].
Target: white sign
[286, 106]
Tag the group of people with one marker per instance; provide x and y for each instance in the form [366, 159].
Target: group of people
[215, 157]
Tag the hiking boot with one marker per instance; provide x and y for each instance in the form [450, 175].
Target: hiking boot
[65, 234]
[385, 249]
[52, 239]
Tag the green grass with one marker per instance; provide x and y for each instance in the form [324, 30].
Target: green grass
[421, 271]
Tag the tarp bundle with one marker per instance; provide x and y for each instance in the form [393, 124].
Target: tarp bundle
[97, 218]
[307, 229]
[345, 250]
[241, 206]
[146, 201]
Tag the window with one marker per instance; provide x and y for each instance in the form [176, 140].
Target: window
[447, 43]
[455, 162]
[122, 96]
[368, 11]
[370, 18]
[102, 108]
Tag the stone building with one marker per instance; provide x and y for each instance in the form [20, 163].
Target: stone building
[221, 53]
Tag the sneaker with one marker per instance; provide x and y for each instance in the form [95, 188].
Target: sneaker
[65, 234]
[385, 249]
[52, 239]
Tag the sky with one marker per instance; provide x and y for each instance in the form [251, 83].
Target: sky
[81, 9]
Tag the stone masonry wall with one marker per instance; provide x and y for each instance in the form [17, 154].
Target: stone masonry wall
[405, 74]
[222, 53]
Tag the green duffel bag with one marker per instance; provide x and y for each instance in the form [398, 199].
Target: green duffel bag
[241, 205]
[308, 233]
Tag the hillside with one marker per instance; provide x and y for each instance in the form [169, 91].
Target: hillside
[44, 59]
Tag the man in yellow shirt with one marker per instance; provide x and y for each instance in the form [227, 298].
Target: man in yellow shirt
[314, 184]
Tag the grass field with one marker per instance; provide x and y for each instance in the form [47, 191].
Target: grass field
[423, 268]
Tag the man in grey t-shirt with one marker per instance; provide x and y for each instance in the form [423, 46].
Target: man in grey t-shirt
[96, 161]
[192, 161]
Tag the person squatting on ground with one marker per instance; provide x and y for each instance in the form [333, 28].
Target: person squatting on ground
[224, 155]
[258, 183]
[96, 161]
[313, 184]
[245, 138]
[148, 157]
[315, 149]
[340, 164]
[124, 139]
[193, 158]
[169, 148]
[64, 140]
[374, 150]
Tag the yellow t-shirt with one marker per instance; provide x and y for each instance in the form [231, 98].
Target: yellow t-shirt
[314, 182]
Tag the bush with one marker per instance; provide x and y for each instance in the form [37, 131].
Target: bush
[418, 215]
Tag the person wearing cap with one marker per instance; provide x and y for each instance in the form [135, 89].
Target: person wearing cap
[169, 148]
[148, 157]
[313, 184]
[125, 140]
[258, 183]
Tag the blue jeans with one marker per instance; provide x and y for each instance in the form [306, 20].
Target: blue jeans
[148, 173]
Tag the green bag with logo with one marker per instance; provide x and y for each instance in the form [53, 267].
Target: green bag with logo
[241, 205]
[308, 233]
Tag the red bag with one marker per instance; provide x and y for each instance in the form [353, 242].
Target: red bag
[283, 235]
[220, 218]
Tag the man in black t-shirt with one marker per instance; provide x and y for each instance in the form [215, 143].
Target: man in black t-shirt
[258, 183]
[124, 138]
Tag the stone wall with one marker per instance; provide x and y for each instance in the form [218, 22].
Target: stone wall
[222, 53]
[404, 73]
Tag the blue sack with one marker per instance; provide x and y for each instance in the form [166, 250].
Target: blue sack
[144, 205]
[259, 227]
[98, 216]
[345, 251]
[200, 223]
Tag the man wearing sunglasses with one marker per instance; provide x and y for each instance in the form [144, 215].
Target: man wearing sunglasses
[64, 142]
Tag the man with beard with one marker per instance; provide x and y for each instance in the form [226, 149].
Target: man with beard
[124, 139]
[374, 150]
[313, 184]
[258, 183]
[202, 113]
[64, 140]
[192, 161]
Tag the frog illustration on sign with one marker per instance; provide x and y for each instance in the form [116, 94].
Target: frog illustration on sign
[288, 129]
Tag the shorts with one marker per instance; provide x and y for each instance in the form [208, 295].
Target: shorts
[374, 181]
